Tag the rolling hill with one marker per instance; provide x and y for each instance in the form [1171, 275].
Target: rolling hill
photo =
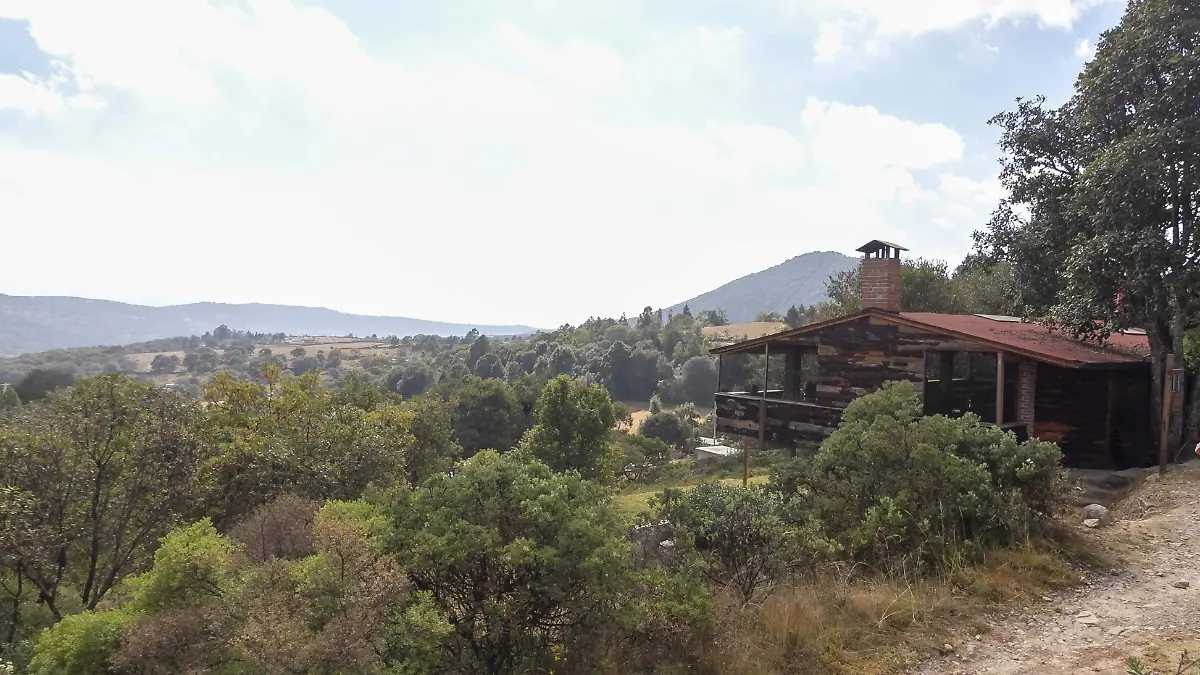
[37, 323]
[799, 281]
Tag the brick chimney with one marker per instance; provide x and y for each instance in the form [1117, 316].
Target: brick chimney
[879, 276]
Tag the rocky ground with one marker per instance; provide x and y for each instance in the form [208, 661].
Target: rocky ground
[1149, 606]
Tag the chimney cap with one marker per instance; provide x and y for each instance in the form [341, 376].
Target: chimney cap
[876, 245]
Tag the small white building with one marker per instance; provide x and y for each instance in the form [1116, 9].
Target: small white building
[706, 452]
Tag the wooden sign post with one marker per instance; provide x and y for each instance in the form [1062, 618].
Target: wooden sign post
[745, 462]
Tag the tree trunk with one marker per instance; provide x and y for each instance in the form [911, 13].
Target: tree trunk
[15, 619]
[1178, 328]
[1191, 430]
[1159, 347]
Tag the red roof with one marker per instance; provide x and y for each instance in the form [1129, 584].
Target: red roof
[1033, 340]
[1036, 340]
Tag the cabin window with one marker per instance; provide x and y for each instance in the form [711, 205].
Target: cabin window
[808, 377]
[959, 382]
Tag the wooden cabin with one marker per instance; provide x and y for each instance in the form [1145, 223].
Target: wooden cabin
[1093, 400]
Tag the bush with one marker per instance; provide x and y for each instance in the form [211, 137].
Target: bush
[642, 456]
[892, 487]
[83, 644]
[740, 534]
[518, 558]
[668, 428]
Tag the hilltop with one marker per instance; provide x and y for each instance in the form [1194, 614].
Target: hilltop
[38, 323]
[798, 281]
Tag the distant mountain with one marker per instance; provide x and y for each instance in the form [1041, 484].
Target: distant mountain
[799, 281]
[37, 323]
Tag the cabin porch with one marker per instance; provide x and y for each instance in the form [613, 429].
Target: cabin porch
[800, 402]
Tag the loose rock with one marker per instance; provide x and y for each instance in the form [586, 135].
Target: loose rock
[1097, 513]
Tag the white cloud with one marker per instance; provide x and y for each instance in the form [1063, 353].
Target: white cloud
[829, 42]
[1085, 50]
[26, 93]
[865, 20]
[579, 61]
[851, 138]
[264, 154]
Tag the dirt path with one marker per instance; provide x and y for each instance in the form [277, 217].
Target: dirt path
[1150, 605]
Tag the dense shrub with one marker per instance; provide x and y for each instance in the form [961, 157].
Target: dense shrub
[517, 558]
[669, 428]
[740, 534]
[892, 487]
[641, 455]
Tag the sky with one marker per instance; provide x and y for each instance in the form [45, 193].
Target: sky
[500, 161]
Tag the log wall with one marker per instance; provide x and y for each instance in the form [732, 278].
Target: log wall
[857, 357]
[787, 421]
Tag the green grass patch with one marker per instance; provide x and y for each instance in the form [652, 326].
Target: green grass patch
[633, 503]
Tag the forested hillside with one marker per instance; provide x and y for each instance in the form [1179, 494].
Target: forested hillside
[34, 323]
[799, 281]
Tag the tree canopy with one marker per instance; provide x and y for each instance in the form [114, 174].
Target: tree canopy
[1100, 224]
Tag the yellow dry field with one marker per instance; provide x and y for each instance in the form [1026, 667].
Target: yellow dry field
[639, 410]
[352, 348]
[142, 361]
[739, 331]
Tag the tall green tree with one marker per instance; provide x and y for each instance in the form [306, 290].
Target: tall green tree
[487, 415]
[489, 366]
[709, 317]
[482, 345]
[106, 468]
[40, 382]
[1101, 218]
[164, 363]
[573, 425]
[517, 558]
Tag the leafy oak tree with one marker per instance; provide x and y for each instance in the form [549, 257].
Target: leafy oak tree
[105, 469]
[1100, 223]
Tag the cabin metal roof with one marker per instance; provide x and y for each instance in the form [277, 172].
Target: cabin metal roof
[1033, 340]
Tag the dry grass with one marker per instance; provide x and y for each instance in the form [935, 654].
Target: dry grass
[1164, 658]
[842, 621]
[737, 331]
[638, 411]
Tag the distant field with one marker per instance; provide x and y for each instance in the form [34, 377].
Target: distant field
[737, 331]
[640, 410]
[142, 361]
[351, 348]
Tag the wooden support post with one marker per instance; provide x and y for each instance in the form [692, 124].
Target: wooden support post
[745, 462]
[999, 388]
[762, 409]
[720, 366]
[946, 366]
[791, 389]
